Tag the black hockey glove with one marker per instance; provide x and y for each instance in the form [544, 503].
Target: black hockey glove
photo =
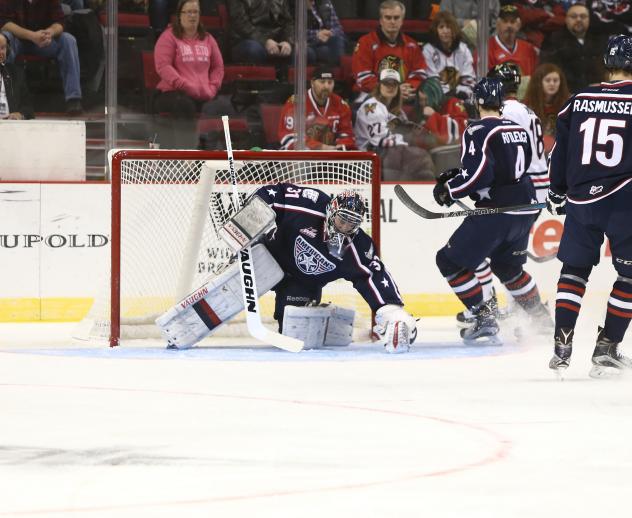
[442, 195]
[556, 203]
[448, 174]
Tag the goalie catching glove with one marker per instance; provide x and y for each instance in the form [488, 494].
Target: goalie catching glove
[395, 327]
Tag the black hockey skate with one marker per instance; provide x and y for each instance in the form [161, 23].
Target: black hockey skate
[484, 331]
[563, 349]
[466, 318]
[606, 359]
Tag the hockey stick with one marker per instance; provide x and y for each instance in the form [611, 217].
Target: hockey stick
[533, 257]
[247, 273]
[427, 214]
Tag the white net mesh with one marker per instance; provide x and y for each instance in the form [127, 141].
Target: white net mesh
[171, 210]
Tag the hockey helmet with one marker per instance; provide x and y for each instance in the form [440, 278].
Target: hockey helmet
[488, 93]
[345, 213]
[619, 53]
[509, 75]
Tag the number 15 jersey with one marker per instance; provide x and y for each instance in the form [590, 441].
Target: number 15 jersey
[592, 156]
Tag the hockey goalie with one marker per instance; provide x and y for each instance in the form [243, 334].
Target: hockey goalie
[302, 239]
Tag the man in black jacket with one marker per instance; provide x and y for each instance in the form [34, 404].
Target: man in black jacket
[260, 29]
[15, 100]
[576, 50]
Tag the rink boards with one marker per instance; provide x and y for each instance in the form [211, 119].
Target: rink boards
[55, 246]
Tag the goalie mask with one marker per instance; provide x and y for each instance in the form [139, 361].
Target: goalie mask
[345, 213]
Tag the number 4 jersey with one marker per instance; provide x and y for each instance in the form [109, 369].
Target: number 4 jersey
[592, 156]
[495, 154]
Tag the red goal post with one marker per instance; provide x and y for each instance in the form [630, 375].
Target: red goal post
[167, 206]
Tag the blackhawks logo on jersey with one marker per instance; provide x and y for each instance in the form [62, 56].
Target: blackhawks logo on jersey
[370, 108]
[309, 260]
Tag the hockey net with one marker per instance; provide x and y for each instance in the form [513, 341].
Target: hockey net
[167, 206]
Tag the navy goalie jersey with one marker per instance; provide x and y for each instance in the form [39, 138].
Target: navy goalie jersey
[495, 154]
[592, 156]
[298, 244]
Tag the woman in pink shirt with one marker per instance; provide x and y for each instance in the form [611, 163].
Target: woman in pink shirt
[191, 70]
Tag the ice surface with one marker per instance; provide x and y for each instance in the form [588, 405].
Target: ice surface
[444, 431]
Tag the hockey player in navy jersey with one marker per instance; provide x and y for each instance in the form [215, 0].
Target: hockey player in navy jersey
[312, 239]
[495, 153]
[591, 181]
[509, 74]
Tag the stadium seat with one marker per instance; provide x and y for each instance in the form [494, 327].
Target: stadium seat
[271, 114]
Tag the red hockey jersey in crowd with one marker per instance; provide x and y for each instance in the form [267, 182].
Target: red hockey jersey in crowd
[374, 53]
[448, 125]
[329, 124]
[523, 54]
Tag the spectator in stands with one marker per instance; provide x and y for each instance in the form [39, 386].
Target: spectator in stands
[36, 27]
[466, 14]
[325, 37]
[576, 50]
[546, 94]
[388, 48]
[608, 17]
[506, 46]
[380, 126]
[15, 100]
[72, 5]
[191, 70]
[540, 18]
[159, 13]
[443, 118]
[327, 116]
[260, 30]
[448, 58]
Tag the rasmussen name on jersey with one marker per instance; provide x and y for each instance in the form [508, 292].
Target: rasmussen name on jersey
[602, 106]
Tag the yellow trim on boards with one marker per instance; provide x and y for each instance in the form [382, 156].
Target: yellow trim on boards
[73, 309]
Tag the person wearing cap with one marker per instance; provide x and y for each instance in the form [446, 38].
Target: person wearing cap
[506, 46]
[576, 50]
[376, 128]
[388, 47]
[327, 116]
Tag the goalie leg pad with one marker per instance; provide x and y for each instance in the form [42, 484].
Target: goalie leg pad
[254, 219]
[216, 302]
[319, 326]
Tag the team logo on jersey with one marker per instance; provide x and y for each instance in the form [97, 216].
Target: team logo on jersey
[370, 252]
[370, 108]
[309, 260]
[310, 194]
[309, 232]
[472, 129]
[595, 189]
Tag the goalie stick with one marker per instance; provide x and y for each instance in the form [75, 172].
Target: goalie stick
[533, 257]
[428, 214]
[247, 274]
